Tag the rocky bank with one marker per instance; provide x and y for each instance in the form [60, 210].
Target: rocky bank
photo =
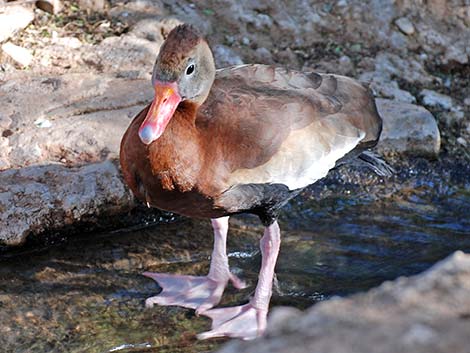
[71, 82]
[427, 313]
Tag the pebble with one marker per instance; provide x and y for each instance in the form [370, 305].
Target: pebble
[264, 55]
[455, 53]
[435, 99]
[462, 141]
[42, 123]
[70, 42]
[225, 56]
[405, 25]
[19, 54]
[13, 19]
[345, 64]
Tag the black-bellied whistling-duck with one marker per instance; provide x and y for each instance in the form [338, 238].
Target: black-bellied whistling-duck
[214, 143]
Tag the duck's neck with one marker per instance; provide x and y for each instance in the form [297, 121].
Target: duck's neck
[175, 156]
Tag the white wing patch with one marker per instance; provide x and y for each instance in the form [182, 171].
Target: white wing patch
[305, 156]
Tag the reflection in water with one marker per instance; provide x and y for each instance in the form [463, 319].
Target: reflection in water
[88, 294]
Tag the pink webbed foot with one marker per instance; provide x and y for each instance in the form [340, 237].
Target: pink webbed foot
[244, 321]
[194, 292]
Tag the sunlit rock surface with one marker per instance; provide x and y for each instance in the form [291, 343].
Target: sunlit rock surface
[61, 137]
[13, 19]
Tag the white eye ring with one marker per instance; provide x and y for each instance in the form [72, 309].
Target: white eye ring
[190, 70]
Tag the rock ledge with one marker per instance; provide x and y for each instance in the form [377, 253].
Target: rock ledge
[427, 313]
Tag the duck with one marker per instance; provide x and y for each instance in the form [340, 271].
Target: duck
[215, 143]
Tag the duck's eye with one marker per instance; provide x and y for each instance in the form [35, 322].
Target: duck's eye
[190, 69]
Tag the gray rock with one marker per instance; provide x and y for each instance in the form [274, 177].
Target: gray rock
[263, 56]
[13, 19]
[225, 56]
[398, 41]
[123, 53]
[39, 198]
[94, 5]
[67, 42]
[134, 11]
[154, 30]
[20, 55]
[408, 69]
[408, 128]
[258, 20]
[436, 100]
[63, 142]
[427, 313]
[405, 25]
[457, 52]
[385, 87]
[462, 141]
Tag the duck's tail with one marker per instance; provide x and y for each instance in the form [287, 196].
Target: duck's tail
[374, 162]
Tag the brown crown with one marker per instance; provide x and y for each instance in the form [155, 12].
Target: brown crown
[178, 46]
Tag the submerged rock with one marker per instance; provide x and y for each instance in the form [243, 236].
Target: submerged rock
[427, 313]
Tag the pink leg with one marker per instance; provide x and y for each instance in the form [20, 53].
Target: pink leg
[249, 321]
[200, 293]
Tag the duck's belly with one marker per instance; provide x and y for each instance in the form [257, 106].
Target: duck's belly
[189, 203]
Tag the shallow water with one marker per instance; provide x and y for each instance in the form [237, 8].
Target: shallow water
[87, 295]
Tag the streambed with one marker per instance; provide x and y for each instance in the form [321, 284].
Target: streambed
[87, 294]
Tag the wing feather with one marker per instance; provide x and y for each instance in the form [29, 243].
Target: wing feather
[304, 157]
[274, 125]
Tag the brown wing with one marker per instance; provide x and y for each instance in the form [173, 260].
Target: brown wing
[273, 125]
